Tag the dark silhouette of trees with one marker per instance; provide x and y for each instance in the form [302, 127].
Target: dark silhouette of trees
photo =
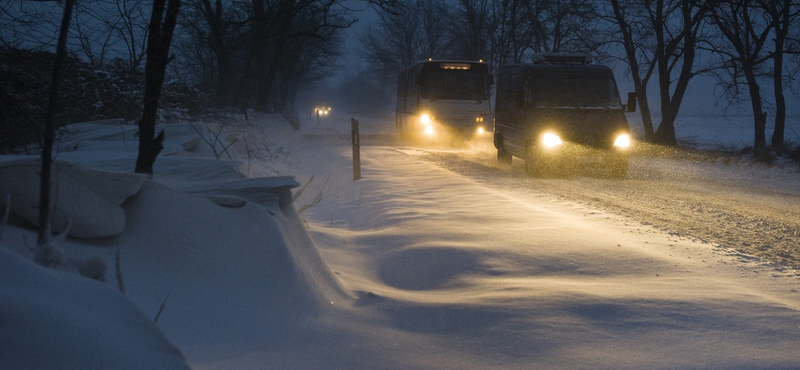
[249, 51]
[262, 53]
[745, 29]
[397, 41]
[782, 13]
[660, 38]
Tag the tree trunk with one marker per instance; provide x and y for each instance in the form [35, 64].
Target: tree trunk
[759, 116]
[671, 105]
[780, 107]
[49, 132]
[161, 30]
[640, 85]
[781, 31]
[665, 134]
[267, 80]
[216, 26]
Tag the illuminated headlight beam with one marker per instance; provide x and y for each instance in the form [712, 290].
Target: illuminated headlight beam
[425, 119]
[550, 140]
[622, 141]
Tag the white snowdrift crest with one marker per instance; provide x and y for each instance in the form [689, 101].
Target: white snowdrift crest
[90, 199]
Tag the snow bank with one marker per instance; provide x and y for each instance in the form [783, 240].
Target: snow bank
[90, 199]
[56, 320]
[220, 258]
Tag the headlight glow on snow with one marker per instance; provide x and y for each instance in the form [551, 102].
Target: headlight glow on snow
[550, 140]
[481, 130]
[622, 141]
[429, 130]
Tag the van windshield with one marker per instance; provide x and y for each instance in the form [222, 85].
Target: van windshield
[575, 90]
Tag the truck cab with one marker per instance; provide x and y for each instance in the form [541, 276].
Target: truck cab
[559, 114]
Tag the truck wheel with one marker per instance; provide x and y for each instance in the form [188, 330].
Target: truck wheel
[503, 156]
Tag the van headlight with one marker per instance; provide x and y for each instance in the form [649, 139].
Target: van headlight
[550, 140]
[622, 141]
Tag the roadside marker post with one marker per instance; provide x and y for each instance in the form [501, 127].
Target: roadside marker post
[356, 150]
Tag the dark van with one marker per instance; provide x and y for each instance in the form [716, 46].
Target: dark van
[559, 114]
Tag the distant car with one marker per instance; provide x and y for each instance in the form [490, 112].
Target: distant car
[559, 113]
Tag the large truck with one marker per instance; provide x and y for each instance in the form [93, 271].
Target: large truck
[560, 114]
[435, 97]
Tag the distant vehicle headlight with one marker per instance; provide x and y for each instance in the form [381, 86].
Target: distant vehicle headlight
[622, 141]
[425, 119]
[551, 140]
[429, 130]
[481, 131]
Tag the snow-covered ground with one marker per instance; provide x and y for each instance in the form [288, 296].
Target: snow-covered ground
[410, 267]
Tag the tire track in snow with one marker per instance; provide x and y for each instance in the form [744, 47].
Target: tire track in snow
[746, 208]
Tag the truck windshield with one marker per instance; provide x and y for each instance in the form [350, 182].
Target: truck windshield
[450, 85]
[574, 90]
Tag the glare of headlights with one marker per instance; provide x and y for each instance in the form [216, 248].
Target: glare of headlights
[425, 119]
[480, 130]
[550, 140]
[429, 130]
[623, 141]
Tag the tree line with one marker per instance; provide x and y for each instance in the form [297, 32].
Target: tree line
[261, 54]
[747, 46]
[131, 33]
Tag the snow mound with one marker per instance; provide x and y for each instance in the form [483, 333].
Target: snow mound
[218, 257]
[55, 320]
[230, 249]
[90, 199]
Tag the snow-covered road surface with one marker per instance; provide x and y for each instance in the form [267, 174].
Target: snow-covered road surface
[465, 265]
[728, 202]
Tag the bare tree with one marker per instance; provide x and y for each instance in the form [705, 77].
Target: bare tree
[562, 25]
[46, 254]
[746, 27]
[400, 40]
[637, 41]
[162, 24]
[513, 36]
[132, 29]
[660, 38]
[783, 13]
[471, 28]
[212, 23]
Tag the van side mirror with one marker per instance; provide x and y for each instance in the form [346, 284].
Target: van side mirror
[631, 107]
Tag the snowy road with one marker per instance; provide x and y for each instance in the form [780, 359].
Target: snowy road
[746, 207]
[457, 263]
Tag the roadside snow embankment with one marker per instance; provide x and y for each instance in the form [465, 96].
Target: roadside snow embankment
[214, 256]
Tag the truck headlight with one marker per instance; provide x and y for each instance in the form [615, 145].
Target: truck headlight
[425, 119]
[622, 141]
[550, 140]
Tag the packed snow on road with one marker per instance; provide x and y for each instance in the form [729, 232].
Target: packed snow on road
[259, 250]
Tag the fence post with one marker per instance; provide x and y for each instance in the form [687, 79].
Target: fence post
[356, 150]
